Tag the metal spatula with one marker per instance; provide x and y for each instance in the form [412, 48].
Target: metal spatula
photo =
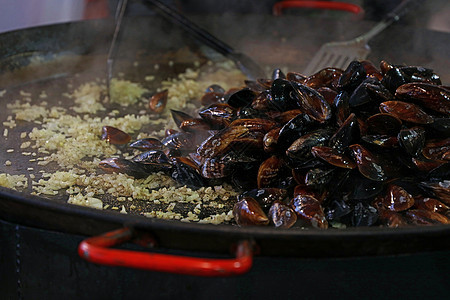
[340, 54]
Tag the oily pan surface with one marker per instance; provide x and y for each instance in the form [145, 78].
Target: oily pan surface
[18, 156]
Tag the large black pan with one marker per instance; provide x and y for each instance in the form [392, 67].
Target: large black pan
[79, 47]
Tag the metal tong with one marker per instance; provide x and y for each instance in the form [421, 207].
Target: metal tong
[120, 12]
[250, 68]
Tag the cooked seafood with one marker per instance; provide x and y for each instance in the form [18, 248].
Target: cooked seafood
[353, 147]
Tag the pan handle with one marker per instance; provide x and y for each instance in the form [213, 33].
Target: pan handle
[97, 250]
[353, 8]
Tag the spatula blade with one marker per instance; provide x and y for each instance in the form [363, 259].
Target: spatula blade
[337, 55]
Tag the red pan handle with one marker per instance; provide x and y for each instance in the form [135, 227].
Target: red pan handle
[333, 5]
[96, 249]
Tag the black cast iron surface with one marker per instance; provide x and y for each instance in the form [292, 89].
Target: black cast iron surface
[56, 215]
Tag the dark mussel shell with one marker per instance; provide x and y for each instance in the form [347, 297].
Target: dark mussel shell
[431, 96]
[216, 168]
[327, 77]
[285, 116]
[352, 76]
[333, 157]
[412, 140]
[194, 125]
[430, 204]
[363, 95]
[147, 144]
[295, 76]
[265, 196]
[115, 136]
[244, 176]
[269, 172]
[309, 209]
[282, 98]
[263, 102]
[391, 219]
[357, 187]
[435, 149]
[394, 78]
[337, 209]
[211, 98]
[270, 140]
[397, 199]
[439, 190]
[369, 165]
[249, 113]
[255, 124]
[440, 173]
[342, 107]
[278, 73]
[158, 101]
[440, 128]
[426, 165]
[294, 129]
[421, 74]
[364, 215]
[378, 92]
[319, 177]
[384, 124]
[328, 94]
[406, 111]
[179, 117]
[238, 138]
[247, 212]
[311, 102]
[183, 141]
[121, 165]
[371, 70]
[282, 216]
[186, 173]
[218, 115]
[215, 88]
[241, 98]
[300, 150]
[154, 160]
[346, 135]
[425, 217]
[381, 140]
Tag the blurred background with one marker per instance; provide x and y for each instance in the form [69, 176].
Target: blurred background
[17, 14]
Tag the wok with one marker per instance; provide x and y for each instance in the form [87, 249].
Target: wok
[81, 47]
